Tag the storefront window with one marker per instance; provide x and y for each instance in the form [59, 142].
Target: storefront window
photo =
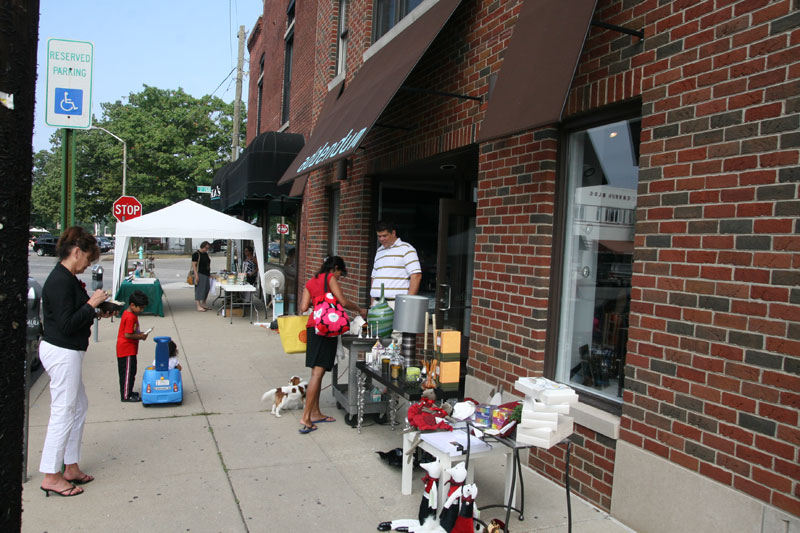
[602, 174]
[387, 13]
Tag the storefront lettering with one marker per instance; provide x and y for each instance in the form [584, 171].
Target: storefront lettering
[326, 151]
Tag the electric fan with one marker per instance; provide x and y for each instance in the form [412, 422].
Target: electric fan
[274, 280]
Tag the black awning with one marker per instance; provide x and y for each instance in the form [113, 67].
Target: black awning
[255, 174]
[538, 66]
[348, 114]
[217, 200]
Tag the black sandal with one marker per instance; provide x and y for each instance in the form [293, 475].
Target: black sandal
[82, 481]
[66, 493]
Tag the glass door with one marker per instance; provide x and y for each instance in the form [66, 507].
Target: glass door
[455, 266]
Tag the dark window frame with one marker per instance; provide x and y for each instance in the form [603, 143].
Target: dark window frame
[628, 110]
[260, 94]
[341, 37]
[397, 10]
[335, 212]
[287, 76]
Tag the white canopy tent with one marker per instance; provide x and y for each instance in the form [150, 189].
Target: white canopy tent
[189, 220]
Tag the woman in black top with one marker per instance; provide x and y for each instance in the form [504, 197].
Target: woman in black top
[201, 264]
[67, 316]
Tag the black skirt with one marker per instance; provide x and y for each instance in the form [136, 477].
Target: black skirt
[320, 351]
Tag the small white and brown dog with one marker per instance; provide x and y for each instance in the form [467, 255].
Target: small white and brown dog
[291, 396]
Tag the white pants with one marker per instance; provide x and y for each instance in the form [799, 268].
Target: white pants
[68, 405]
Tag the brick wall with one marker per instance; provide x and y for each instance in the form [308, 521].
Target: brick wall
[591, 465]
[713, 371]
[270, 43]
[712, 360]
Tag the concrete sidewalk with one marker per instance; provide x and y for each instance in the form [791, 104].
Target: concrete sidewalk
[222, 462]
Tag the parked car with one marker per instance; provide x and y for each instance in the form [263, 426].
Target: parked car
[104, 244]
[34, 323]
[45, 245]
[274, 249]
[219, 245]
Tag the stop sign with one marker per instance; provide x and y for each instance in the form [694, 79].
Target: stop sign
[126, 208]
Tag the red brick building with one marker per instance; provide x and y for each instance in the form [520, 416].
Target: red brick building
[603, 193]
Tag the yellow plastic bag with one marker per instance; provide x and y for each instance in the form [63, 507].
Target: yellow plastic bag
[292, 329]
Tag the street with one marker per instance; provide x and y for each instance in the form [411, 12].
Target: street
[169, 269]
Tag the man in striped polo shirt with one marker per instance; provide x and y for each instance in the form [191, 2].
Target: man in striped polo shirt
[396, 265]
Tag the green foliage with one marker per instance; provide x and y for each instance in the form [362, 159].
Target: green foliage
[175, 142]
[46, 191]
[516, 415]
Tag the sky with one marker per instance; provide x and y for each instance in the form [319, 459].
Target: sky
[167, 44]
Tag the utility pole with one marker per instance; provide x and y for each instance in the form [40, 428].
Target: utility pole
[237, 104]
[237, 107]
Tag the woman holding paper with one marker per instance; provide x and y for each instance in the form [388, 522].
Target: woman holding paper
[67, 316]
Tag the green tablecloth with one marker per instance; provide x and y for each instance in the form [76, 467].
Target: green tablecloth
[152, 290]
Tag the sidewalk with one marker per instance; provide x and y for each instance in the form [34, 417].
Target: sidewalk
[222, 462]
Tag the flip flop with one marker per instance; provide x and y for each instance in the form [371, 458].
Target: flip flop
[82, 481]
[324, 420]
[307, 429]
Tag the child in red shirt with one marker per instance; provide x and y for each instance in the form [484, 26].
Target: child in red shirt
[128, 346]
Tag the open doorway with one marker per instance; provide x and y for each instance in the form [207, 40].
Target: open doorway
[432, 203]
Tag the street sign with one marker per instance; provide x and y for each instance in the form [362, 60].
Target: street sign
[204, 189]
[68, 101]
[126, 208]
[283, 229]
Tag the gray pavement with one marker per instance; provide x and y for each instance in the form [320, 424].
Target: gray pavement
[222, 462]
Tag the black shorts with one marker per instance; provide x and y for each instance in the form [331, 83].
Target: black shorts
[320, 351]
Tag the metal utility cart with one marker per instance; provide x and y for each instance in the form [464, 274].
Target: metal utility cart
[346, 394]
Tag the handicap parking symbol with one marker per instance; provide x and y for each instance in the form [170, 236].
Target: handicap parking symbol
[68, 101]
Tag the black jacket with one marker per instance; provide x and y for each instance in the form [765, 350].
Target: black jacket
[66, 317]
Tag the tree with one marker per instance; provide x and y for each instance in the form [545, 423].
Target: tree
[175, 142]
[46, 193]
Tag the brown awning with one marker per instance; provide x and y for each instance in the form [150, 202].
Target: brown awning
[298, 186]
[344, 121]
[538, 66]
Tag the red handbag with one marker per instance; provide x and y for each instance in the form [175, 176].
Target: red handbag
[330, 318]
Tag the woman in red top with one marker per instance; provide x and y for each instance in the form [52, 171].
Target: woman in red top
[321, 351]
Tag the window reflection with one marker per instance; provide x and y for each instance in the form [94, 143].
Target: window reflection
[598, 257]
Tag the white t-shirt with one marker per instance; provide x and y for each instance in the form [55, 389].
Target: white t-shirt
[173, 362]
[393, 267]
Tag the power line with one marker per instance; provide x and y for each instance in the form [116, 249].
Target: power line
[223, 81]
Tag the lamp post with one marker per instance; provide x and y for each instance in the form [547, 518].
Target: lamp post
[124, 154]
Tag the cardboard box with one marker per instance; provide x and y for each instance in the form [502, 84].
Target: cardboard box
[236, 311]
[546, 437]
[482, 419]
[546, 391]
[449, 367]
[484, 409]
[499, 416]
[448, 341]
[532, 406]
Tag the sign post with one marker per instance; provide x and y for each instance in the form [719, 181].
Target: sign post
[68, 104]
[126, 208]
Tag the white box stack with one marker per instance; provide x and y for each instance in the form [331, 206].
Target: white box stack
[544, 422]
